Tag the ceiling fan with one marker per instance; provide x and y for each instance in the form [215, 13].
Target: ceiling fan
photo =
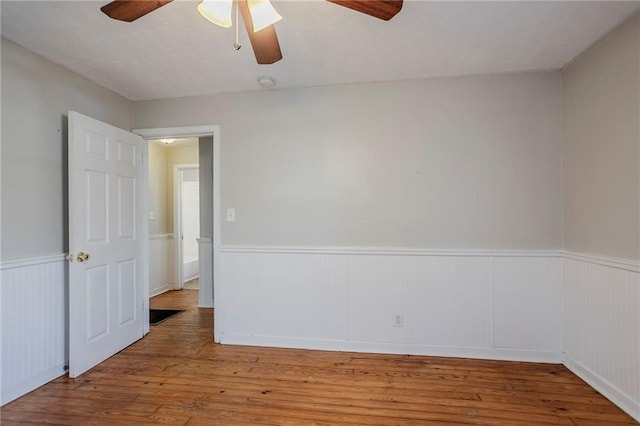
[262, 36]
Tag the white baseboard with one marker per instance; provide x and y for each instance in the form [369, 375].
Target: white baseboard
[207, 303]
[160, 290]
[190, 278]
[607, 389]
[393, 348]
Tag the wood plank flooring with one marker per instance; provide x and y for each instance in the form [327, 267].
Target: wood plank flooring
[177, 375]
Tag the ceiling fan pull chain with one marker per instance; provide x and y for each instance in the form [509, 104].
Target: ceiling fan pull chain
[237, 44]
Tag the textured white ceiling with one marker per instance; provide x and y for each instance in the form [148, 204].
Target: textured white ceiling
[174, 52]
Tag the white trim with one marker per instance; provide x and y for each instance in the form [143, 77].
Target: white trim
[394, 348]
[161, 237]
[161, 290]
[32, 261]
[609, 391]
[216, 239]
[162, 132]
[205, 303]
[612, 262]
[619, 263]
[391, 251]
[143, 217]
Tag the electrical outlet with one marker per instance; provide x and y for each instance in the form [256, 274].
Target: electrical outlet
[398, 320]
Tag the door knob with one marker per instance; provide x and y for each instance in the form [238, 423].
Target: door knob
[81, 257]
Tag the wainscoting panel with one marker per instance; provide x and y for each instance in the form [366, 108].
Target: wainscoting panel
[34, 335]
[161, 264]
[449, 301]
[528, 303]
[602, 328]
[432, 303]
[497, 305]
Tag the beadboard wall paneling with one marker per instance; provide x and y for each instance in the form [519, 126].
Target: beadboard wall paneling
[497, 305]
[34, 338]
[447, 303]
[161, 263]
[602, 327]
[527, 303]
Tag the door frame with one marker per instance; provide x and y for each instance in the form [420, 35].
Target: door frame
[177, 220]
[143, 217]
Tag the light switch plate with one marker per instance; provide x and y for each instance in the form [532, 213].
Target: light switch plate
[231, 215]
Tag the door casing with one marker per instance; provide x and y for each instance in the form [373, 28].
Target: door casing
[184, 132]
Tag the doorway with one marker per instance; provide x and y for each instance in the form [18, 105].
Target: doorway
[170, 163]
[180, 215]
[209, 169]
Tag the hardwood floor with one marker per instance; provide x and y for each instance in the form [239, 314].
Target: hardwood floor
[177, 375]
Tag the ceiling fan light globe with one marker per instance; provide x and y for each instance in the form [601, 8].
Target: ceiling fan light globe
[262, 14]
[216, 11]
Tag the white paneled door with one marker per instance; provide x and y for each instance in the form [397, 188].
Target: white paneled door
[106, 311]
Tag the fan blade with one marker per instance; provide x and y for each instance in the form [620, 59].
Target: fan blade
[383, 9]
[264, 42]
[130, 10]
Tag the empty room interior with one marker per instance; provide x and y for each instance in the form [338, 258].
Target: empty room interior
[406, 212]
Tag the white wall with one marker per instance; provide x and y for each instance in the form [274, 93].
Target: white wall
[161, 263]
[444, 163]
[205, 153]
[332, 185]
[370, 170]
[205, 243]
[471, 163]
[602, 221]
[179, 155]
[160, 204]
[36, 96]
[190, 195]
[602, 134]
